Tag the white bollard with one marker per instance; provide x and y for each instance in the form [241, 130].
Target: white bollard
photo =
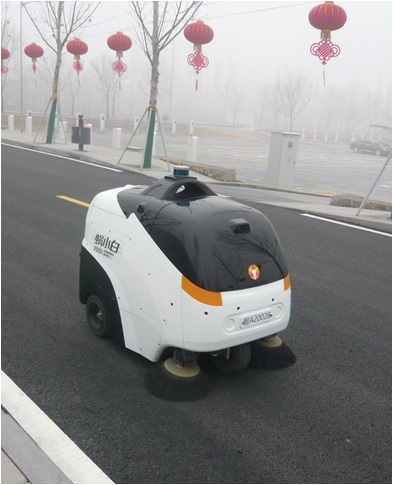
[29, 125]
[314, 134]
[102, 123]
[326, 135]
[303, 136]
[173, 130]
[90, 126]
[63, 130]
[191, 128]
[136, 121]
[191, 154]
[10, 122]
[336, 136]
[116, 135]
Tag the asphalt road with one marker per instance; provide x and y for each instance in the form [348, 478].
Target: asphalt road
[327, 419]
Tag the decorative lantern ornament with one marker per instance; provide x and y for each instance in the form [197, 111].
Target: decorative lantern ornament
[5, 54]
[326, 17]
[198, 33]
[119, 42]
[77, 47]
[34, 51]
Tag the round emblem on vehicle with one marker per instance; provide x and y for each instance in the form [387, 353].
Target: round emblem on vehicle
[253, 271]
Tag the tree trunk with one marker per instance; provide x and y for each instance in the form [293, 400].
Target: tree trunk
[154, 89]
[55, 86]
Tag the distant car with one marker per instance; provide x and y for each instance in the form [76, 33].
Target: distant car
[375, 147]
[386, 144]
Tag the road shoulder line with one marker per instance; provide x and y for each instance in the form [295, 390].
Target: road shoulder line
[58, 447]
[353, 226]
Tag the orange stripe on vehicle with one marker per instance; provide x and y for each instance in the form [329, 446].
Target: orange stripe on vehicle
[212, 298]
[286, 282]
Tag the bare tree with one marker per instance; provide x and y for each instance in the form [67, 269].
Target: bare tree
[374, 106]
[234, 91]
[105, 81]
[261, 101]
[73, 87]
[8, 40]
[351, 104]
[158, 25]
[329, 104]
[56, 22]
[291, 95]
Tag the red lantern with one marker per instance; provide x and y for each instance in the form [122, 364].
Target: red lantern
[198, 33]
[119, 42]
[326, 17]
[77, 47]
[34, 51]
[5, 54]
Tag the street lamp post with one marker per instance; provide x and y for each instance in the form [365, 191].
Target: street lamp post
[22, 120]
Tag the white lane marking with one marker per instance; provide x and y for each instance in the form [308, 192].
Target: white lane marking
[66, 158]
[348, 225]
[59, 448]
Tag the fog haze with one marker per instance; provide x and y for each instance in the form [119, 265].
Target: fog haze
[256, 45]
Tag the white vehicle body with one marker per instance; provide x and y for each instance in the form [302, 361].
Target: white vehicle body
[158, 306]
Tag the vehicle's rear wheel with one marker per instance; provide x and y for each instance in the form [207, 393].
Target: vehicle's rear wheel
[238, 360]
[96, 315]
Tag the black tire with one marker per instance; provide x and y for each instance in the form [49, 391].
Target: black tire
[238, 361]
[96, 315]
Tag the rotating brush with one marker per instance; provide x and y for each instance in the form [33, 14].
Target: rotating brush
[271, 354]
[168, 381]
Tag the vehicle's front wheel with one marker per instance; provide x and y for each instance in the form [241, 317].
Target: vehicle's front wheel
[238, 359]
[377, 153]
[96, 315]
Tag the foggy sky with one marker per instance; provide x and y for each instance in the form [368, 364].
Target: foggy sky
[255, 43]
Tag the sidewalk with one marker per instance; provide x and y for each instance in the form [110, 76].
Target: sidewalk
[23, 459]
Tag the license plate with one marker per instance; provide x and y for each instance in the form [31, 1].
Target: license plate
[257, 318]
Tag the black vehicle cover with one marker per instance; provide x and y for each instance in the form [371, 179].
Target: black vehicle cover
[212, 240]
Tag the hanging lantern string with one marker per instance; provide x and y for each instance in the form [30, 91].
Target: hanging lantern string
[198, 33]
[5, 54]
[119, 42]
[326, 17]
[77, 47]
[34, 51]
